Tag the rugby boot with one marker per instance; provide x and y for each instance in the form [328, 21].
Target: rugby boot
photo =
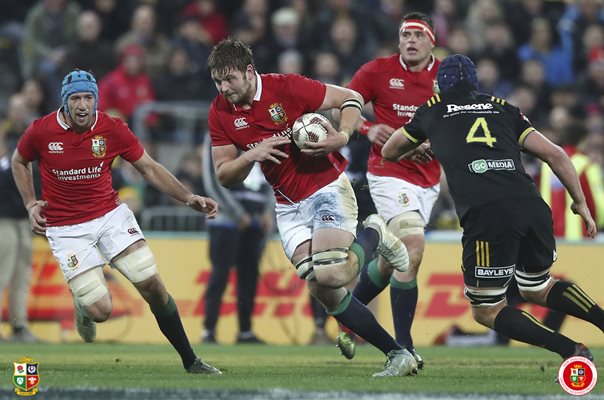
[418, 358]
[346, 343]
[398, 363]
[201, 367]
[86, 327]
[390, 247]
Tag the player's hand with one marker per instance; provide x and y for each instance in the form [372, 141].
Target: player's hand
[36, 217]
[422, 154]
[335, 140]
[379, 133]
[203, 204]
[583, 211]
[268, 149]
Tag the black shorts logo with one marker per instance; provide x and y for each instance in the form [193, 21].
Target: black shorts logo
[494, 272]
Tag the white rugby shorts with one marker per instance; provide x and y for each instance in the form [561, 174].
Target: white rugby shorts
[81, 247]
[332, 206]
[394, 196]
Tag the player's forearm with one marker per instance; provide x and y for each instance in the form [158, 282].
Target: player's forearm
[235, 171]
[161, 179]
[562, 166]
[396, 146]
[24, 181]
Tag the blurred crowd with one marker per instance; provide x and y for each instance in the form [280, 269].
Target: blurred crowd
[546, 57]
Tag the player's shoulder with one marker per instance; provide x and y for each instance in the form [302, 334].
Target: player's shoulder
[109, 122]
[380, 64]
[432, 101]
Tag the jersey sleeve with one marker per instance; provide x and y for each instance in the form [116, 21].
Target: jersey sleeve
[522, 125]
[26, 144]
[361, 83]
[413, 130]
[217, 133]
[309, 93]
[132, 149]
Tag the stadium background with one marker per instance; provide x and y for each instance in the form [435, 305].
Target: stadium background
[547, 57]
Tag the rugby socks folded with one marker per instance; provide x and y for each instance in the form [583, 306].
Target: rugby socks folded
[364, 246]
[359, 319]
[403, 299]
[170, 325]
[521, 326]
[371, 283]
[572, 300]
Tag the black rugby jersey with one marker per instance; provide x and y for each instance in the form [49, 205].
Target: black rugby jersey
[478, 139]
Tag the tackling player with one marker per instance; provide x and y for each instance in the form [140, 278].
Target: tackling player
[507, 227]
[82, 216]
[251, 121]
[403, 192]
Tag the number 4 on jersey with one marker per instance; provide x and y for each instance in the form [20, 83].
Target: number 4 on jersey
[480, 126]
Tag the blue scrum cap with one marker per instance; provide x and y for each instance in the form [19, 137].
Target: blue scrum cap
[79, 81]
[454, 69]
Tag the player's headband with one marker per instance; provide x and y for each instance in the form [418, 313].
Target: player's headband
[418, 24]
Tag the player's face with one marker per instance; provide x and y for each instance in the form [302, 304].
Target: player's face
[236, 86]
[415, 46]
[81, 110]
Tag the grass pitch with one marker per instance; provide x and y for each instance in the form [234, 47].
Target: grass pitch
[450, 372]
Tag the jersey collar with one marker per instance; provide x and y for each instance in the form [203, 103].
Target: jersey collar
[65, 126]
[258, 94]
[428, 67]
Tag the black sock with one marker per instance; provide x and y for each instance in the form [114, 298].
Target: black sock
[572, 300]
[403, 299]
[170, 325]
[364, 246]
[521, 326]
[370, 283]
[359, 319]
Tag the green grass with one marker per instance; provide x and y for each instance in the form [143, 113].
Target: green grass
[255, 367]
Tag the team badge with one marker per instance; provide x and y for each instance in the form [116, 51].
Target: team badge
[577, 376]
[435, 87]
[99, 146]
[277, 113]
[403, 199]
[72, 261]
[26, 377]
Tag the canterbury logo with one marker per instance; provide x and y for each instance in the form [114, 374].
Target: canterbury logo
[241, 123]
[397, 83]
[55, 147]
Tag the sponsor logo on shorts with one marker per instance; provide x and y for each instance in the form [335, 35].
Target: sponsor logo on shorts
[403, 199]
[26, 377]
[133, 231]
[328, 218]
[481, 166]
[493, 272]
[577, 375]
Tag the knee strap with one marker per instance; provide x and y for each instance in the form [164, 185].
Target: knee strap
[88, 287]
[138, 265]
[330, 257]
[407, 224]
[305, 270]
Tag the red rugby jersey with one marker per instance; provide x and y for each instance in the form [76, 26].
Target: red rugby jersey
[396, 93]
[76, 168]
[279, 101]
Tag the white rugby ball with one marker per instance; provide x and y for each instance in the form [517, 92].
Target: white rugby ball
[308, 128]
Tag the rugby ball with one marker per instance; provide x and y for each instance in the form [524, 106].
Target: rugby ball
[308, 128]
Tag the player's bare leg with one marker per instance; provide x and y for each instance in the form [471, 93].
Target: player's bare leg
[332, 266]
[138, 265]
[522, 326]
[91, 301]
